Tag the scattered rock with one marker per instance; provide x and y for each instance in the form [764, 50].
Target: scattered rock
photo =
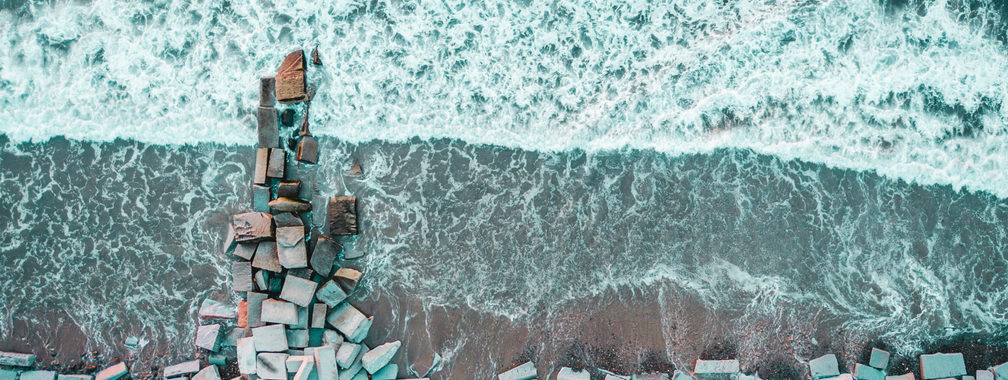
[287, 117]
[355, 169]
[315, 57]
[289, 189]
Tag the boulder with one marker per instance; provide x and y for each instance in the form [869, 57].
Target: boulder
[17, 359]
[211, 309]
[347, 278]
[38, 375]
[271, 366]
[255, 301]
[937, 366]
[355, 365]
[331, 294]
[269, 131]
[261, 164]
[291, 250]
[252, 226]
[246, 356]
[290, 79]
[379, 356]
[318, 315]
[567, 373]
[297, 338]
[266, 257]
[208, 337]
[271, 338]
[276, 311]
[388, 372]
[245, 250]
[287, 117]
[315, 57]
[824, 366]
[879, 358]
[324, 255]
[267, 86]
[241, 276]
[525, 371]
[277, 163]
[864, 372]
[325, 363]
[289, 189]
[289, 205]
[183, 368]
[715, 369]
[342, 212]
[260, 198]
[355, 169]
[208, 373]
[229, 241]
[347, 353]
[111, 373]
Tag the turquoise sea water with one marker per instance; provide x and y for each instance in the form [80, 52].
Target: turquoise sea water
[790, 177]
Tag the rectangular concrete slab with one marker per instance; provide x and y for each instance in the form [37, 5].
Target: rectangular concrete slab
[17, 359]
[984, 375]
[277, 163]
[268, 130]
[331, 294]
[260, 198]
[38, 375]
[246, 351]
[864, 372]
[824, 366]
[271, 366]
[939, 365]
[905, 376]
[1000, 371]
[879, 358]
[566, 373]
[346, 318]
[245, 250]
[255, 301]
[208, 373]
[715, 369]
[276, 311]
[266, 257]
[111, 373]
[9, 374]
[526, 371]
[298, 291]
[272, 338]
[266, 87]
[71, 377]
[342, 214]
[318, 315]
[261, 165]
[388, 372]
[208, 337]
[183, 368]
[297, 338]
[291, 247]
[347, 353]
[375, 359]
[325, 363]
[324, 255]
[241, 276]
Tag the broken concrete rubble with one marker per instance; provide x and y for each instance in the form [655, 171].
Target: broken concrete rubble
[183, 368]
[347, 353]
[267, 97]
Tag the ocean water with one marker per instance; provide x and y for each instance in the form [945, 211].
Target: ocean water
[625, 185]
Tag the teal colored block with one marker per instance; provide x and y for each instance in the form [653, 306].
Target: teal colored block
[17, 359]
[331, 294]
[7, 374]
[715, 369]
[526, 371]
[570, 374]
[1000, 371]
[937, 366]
[260, 198]
[388, 372]
[74, 377]
[38, 375]
[679, 375]
[879, 358]
[361, 375]
[824, 366]
[377, 358]
[863, 372]
[297, 338]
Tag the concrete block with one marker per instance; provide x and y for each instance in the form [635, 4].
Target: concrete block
[241, 276]
[208, 337]
[612, 376]
[864, 372]
[229, 241]
[255, 301]
[38, 375]
[217, 358]
[267, 127]
[246, 356]
[266, 96]
[348, 278]
[1000, 371]
[347, 353]
[567, 373]
[319, 207]
[276, 311]
[842, 376]
[331, 294]
[526, 371]
[824, 366]
[261, 279]
[245, 250]
[307, 371]
[266, 257]
[271, 366]
[379, 356]
[17, 359]
[302, 322]
[207, 373]
[297, 338]
[291, 247]
[308, 147]
[287, 219]
[325, 363]
[271, 338]
[879, 358]
[388, 372]
[252, 226]
[936, 366]
[9, 374]
[211, 309]
[294, 362]
[298, 291]
[67, 377]
[968, 378]
[905, 376]
[243, 314]
[324, 255]
[361, 375]
[275, 284]
[183, 368]
[260, 198]
[346, 318]
[290, 79]
[290, 189]
[289, 205]
[715, 369]
[114, 372]
[355, 365]
[277, 163]
[261, 165]
[362, 330]
[652, 376]
[232, 336]
[680, 375]
[342, 213]
[332, 338]
[984, 375]
[318, 315]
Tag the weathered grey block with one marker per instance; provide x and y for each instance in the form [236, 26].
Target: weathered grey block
[266, 257]
[111, 373]
[266, 96]
[566, 373]
[298, 290]
[361, 375]
[331, 294]
[325, 363]
[297, 338]
[9, 374]
[269, 131]
[277, 163]
[302, 323]
[905, 376]
[715, 369]
[261, 165]
[324, 255]
[318, 315]
[287, 220]
[261, 279]
[348, 278]
[290, 79]
[936, 366]
[349, 321]
[347, 353]
[379, 356]
[355, 365]
[879, 358]
[241, 275]
[864, 372]
[276, 311]
[984, 375]
[252, 226]
[388, 372]
[69, 377]
[291, 247]
[208, 373]
[342, 213]
[290, 189]
[17, 359]
[332, 338]
[307, 149]
[271, 366]
[229, 240]
[183, 368]
[1000, 371]
[38, 375]
[526, 371]
[208, 337]
[306, 371]
[271, 338]
[245, 250]
[824, 366]
[232, 336]
[255, 301]
[211, 309]
[289, 205]
[319, 207]
[260, 198]
[246, 356]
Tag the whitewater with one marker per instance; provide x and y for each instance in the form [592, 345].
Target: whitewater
[912, 91]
